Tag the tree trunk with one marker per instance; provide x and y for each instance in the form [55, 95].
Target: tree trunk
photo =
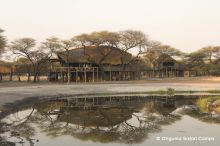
[35, 78]
[35, 73]
[19, 77]
[38, 77]
[103, 75]
[0, 77]
[29, 77]
[11, 75]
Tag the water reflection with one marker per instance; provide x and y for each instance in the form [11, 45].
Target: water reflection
[125, 119]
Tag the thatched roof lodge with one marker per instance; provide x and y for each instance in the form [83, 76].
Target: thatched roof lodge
[167, 66]
[92, 63]
[112, 64]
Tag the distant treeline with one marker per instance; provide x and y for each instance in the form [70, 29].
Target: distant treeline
[34, 59]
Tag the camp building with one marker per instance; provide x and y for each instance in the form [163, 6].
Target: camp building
[91, 64]
[168, 67]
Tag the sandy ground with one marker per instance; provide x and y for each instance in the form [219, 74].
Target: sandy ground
[12, 91]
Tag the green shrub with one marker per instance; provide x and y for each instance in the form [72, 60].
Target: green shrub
[203, 103]
[170, 91]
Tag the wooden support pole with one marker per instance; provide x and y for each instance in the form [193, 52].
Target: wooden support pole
[62, 76]
[68, 75]
[171, 72]
[76, 76]
[110, 75]
[85, 73]
[49, 76]
[85, 102]
[97, 74]
[166, 73]
[93, 74]
[56, 79]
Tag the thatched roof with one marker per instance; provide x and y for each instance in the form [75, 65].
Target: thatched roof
[93, 55]
[165, 58]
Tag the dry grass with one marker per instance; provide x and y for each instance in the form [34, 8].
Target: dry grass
[23, 78]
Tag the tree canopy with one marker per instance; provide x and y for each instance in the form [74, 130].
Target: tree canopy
[26, 48]
[206, 59]
[2, 42]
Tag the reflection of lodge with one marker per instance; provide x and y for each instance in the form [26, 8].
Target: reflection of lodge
[111, 64]
[125, 119]
[109, 111]
[96, 117]
[88, 103]
[91, 64]
[128, 124]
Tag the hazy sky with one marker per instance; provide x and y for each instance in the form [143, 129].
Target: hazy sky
[184, 24]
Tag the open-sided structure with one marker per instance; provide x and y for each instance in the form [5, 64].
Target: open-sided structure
[89, 64]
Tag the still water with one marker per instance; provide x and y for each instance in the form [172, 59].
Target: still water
[110, 121]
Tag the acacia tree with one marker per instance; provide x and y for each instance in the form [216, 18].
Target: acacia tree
[22, 65]
[210, 53]
[83, 41]
[104, 41]
[2, 47]
[132, 39]
[2, 43]
[195, 61]
[65, 47]
[155, 49]
[159, 48]
[216, 51]
[25, 47]
[207, 59]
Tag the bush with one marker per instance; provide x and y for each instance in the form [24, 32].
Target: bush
[204, 103]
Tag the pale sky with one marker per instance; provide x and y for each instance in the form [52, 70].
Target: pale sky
[185, 24]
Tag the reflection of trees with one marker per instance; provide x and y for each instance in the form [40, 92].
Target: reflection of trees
[124, 132]
[22, 128]
[128, 122]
